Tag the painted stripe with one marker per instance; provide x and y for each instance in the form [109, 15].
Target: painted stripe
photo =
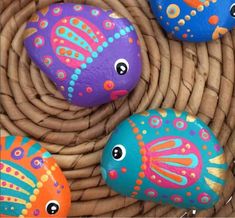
[10, 185]
[81, 42]
[84, 27]
[66, 49]
[46, 155]
[166, 174]
[17, 182]
[14, 193]
[5, 209]
[34, 149]
[7, 198]
[32, 180]
[190, 161]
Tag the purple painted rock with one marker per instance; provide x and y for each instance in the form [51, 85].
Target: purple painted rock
[92, 55]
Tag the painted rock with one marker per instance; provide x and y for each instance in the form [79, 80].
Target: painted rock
[32, 184]
[92, 55]
[166, 157]
[195, 20]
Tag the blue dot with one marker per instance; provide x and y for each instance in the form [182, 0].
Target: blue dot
[117, 36]
[83, 66]
[122, 32]
[89, 60]
[132, 28]
[105, 44]
[70, 95]
[110, 39]
[128, 29]
[70, 89]
[78, 71]
[72, 83]
[74, 77]
[94, 54]
[100, 49]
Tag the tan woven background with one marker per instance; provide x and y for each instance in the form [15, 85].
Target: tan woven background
[198, 78]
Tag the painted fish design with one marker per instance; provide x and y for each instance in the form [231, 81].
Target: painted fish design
[92, 55]
[165, 156]
[195, 20]
[32, 184]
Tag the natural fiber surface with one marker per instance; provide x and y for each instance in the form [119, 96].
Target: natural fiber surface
[198, 78]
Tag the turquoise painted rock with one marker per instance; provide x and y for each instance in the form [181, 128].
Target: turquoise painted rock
[165, 156]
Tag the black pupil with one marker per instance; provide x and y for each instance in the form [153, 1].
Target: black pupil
[117, 153]
[121, 68]
[232, 11]
[52, 208]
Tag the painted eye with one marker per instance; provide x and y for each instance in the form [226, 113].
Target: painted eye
[52, 207]
[121, 66]
[119, 152]
[232, 10]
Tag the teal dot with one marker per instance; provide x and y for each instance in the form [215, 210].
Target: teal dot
[94, 54]
[100, 49]
[83, 66]
[72, 83]
[78, 71]
[110, 39]
[128, 29]
[70, 89]
[105, 44]
[122, 32]
[89, 60]
[70, 95]
[132, 28]
[74, 77]
[117, 36]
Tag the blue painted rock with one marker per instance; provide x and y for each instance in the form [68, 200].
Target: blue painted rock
[165, 156]
[92, 55]
[31, 183]
[195, 20]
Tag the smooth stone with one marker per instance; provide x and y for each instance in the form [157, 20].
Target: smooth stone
[91, 54]
[32, 184]
[167, 157]
[195, 20]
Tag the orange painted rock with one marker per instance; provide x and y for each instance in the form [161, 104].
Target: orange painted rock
[31, 183]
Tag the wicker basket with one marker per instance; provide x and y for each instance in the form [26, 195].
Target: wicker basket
[198, 78]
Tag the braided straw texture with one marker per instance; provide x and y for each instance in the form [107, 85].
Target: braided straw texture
[198, 78]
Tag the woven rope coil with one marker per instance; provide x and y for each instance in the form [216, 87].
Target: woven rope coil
[198, 78]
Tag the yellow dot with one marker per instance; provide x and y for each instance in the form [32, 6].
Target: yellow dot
[188, 146]
[207, 3]
[48, 172]
[28, 205]
[39, 184]
[200, 8]
[32, 198]
[21, 216]
[181, 22]
[24, 212]
[36, 191]
[193, 13]
[12, 208]
[44, 178]
[144, 132]
[197, 188]
[176, 28]
[167, 129]
[53, 168]
[187, 17]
